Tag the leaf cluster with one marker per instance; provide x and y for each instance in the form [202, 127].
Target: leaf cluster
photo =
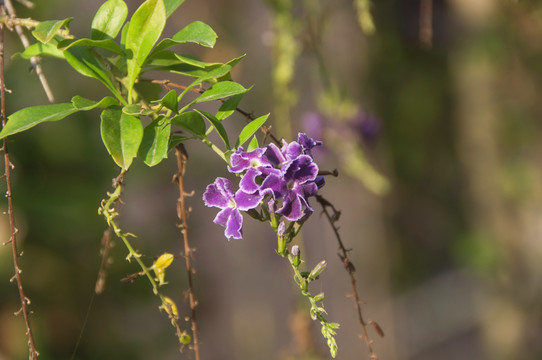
[118, 54]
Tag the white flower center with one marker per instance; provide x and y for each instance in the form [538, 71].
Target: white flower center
[232, 204]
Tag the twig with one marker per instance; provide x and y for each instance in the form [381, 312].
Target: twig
[33, 60]
[33, 352]
[182, 214]
[333, 217]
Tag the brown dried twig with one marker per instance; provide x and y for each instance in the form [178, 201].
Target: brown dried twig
[333, 216]
[33, 60]
[33, 352]
[182, 214]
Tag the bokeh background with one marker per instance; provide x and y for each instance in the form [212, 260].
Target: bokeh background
[430, 111]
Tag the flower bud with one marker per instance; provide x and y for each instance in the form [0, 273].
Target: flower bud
[160, 266]
[281, 229]
[184, 338]
[296, 260]
[319, 297]
[170, 307]
[317, 270]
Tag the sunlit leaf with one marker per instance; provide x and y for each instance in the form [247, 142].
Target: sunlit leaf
[107, 44]
[108, 20]
[250, 129]
[31, 116]
[40, 49]
[253, 144]
[221, 90]
[144, 30]
[169, 101]
[82, 104]
[196, 32]
[86, 63]
[171, 6]
[228, 107]
[217, 125]
[121, 134]
[46, 30]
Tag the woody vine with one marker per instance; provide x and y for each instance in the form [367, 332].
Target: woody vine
[273, 183]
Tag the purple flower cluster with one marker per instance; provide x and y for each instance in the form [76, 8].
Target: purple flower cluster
[287, 176]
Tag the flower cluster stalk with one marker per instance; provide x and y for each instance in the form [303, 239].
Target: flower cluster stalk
[317, 312]
[110, 213]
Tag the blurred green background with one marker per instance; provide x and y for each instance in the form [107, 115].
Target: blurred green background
[432, 119]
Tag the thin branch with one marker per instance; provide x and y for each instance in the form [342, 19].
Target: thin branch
[33, 60]
[182, 214]
[33, 352]
[333, 217]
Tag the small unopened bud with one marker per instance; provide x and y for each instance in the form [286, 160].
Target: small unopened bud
[317, 270]
[184, 338]
[281, 229]
[319, 297]
[170, 307]
[296, 260]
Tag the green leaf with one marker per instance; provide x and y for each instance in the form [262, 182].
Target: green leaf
[31, 116]
[169, 101]
[217, 125]
[228, 107]
[253, 144]
[107, 44]
[86, 63]
[82, 104]
[176, 140]
[108, 20]
[172, 5]
[46, 30]
[154, 146]
[250, 129]
[144, 30]
[121, 134]
[39, 49]
[136, 110]
[221, 90]
[196, 32]
[192, 122]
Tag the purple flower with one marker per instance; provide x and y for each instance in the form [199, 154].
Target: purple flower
[241, 160]
[294, 185]
[220, 194]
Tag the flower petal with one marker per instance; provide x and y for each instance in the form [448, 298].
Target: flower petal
[218, 193]
[248, 182]
[274, 155]
[291, 208]
[247, 201]
[234, 227]
[222, 217]
[274, 185]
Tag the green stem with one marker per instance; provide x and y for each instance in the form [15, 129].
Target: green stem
[107, 209]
